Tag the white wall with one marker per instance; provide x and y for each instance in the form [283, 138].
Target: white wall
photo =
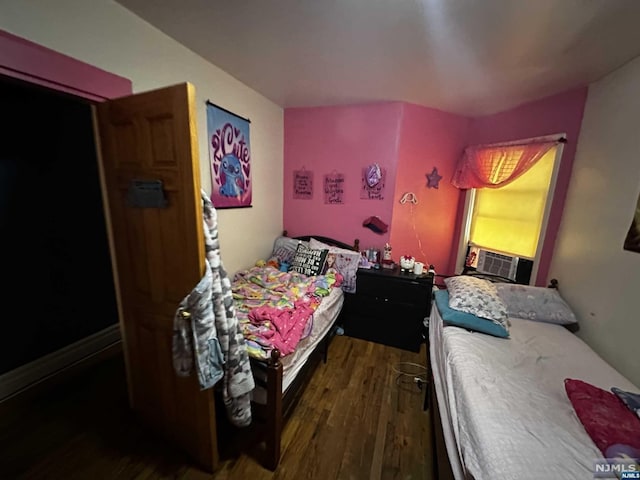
[599, 279]
[106, 35]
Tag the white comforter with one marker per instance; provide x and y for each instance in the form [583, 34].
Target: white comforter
[506, 404]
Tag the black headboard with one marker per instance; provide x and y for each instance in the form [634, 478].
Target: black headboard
[329, 241]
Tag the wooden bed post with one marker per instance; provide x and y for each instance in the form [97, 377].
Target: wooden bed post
[274, 413]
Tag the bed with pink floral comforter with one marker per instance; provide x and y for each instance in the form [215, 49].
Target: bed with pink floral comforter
[275, 309]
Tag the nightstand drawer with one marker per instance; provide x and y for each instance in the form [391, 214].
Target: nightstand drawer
[388, 307]
[394, 290]
[376, 307]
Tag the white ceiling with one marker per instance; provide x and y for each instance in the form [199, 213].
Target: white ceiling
[471, 57]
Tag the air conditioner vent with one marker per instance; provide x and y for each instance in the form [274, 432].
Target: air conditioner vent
[497, 264]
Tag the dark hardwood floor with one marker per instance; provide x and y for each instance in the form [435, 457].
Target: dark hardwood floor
[356, 420]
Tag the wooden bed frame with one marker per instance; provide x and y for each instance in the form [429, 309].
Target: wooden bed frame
[441, 466]
[268, 419]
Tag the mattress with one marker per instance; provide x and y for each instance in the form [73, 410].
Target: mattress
[504, 410]
[323, 319]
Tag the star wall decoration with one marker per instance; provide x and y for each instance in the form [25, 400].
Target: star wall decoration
[433, 178]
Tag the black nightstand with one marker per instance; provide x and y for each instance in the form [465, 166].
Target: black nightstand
[389, 307]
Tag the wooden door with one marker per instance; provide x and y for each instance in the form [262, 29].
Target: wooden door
[158, 255]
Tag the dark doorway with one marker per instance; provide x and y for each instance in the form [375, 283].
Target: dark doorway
[56, 265]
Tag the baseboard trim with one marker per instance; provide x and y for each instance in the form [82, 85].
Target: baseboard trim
[26, 376]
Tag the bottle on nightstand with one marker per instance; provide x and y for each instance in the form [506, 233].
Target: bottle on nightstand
[387, 262]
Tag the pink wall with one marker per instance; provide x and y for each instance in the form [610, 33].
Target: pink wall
[409, 140]
[561, 113]
[20, 58]
[429, 138]
[341, 139]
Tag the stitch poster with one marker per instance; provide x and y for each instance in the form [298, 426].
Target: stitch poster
[230, 158]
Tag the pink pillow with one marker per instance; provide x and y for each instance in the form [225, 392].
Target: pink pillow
[605, 418]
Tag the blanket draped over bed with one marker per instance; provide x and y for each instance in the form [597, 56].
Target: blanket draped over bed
[213, 328]
[275, 308]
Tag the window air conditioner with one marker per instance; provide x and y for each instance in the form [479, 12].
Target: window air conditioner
[497, 264]
[494, 263]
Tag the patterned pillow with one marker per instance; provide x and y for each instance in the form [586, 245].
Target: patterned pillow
[344, 261]
[466, 320]
[476, 296]
[284, 249]
[539, 304]
[308, 261]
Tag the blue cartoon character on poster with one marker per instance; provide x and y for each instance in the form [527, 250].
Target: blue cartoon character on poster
[230, 158]
[231, 176]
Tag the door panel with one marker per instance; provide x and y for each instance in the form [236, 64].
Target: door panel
[159, 255]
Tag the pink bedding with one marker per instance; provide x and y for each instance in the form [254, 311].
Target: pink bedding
[275, 308]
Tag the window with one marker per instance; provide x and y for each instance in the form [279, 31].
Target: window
[509, 219]
[512, 219]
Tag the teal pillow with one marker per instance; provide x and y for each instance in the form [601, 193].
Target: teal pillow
[466, 320]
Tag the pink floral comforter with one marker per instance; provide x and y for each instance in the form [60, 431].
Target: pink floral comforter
[275, 308]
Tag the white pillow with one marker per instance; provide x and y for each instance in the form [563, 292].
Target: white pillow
[476, 296]
[540, 304]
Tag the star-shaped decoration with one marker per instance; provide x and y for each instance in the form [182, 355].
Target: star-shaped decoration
[433, 178]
